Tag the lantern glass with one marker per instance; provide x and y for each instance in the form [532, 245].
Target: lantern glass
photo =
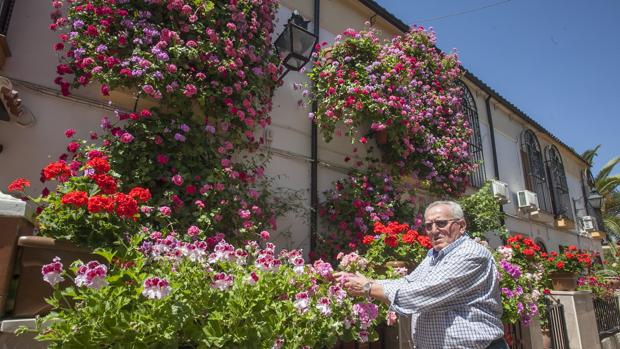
[595, 199]
[295, 45]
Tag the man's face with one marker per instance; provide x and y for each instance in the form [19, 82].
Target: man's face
[442, 228]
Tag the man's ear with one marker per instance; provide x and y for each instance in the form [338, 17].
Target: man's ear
[463, 224]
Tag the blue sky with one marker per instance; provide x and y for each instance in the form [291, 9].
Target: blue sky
[557, 61]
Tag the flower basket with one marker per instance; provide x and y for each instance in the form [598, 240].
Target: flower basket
[381, 137]
[563, 281]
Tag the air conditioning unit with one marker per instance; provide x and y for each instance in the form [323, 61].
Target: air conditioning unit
[500, 191]
[527, 200]
[588, 223]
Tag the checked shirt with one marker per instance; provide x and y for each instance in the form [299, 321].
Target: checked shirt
[453, 297]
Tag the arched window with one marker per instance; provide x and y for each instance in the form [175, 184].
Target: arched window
[469, 110]
[534, 169]
[541, 244]
[557, 182]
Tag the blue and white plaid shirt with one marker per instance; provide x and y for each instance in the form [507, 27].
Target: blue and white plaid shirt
[453, 297]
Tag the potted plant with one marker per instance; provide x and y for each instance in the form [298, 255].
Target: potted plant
[522, 280]
[163, 291]
[355, 203]
[403, 90]
[395, 246]
[565, 267]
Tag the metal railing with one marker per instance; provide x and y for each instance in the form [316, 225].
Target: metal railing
[513, 334]
[557, 324]
[607, 316]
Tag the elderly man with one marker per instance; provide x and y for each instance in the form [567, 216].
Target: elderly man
[453, 296]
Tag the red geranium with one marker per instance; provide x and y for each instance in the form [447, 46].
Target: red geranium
[126, 206]
[99, 164]
[140, 194]
[18, 185]
[56, 170]
[100, 203]
[75, 198]
[106, 183]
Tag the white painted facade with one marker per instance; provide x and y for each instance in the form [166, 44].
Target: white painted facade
[32, 70]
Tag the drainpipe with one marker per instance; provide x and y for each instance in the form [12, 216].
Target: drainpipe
[493, 148]
[492, 130]
[314, 197]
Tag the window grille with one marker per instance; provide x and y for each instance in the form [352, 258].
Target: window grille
[470, 112]
[6, 8]
[557, 181]
[534, 169]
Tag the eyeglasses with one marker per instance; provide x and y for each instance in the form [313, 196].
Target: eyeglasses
[440, 223]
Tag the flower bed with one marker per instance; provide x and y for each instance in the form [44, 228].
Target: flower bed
[167, 292]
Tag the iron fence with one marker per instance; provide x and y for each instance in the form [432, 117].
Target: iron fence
[513, 334]
[557, 324]
[607, 316]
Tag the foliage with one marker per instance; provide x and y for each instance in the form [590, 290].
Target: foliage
[197, 174]
[395, 242]
[482, 212]
[405, 87]
[607, 185]
[353, 206]
[570, 261]
[215, 54]
[595, 284]
[523, 279]
[87, 207]
[163, 292]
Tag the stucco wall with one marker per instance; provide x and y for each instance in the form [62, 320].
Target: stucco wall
[26, 150]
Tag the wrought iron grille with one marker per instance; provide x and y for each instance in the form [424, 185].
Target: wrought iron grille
[6, 8]
[557, 324]
[513, 334]
[534, 169]
[607, 316]
[470, 111]
[557, 180]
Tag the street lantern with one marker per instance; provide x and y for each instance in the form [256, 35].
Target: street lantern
[595, 199]
[295, 44]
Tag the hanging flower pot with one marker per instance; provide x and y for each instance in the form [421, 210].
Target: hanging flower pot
[563, 281]
[381, 137]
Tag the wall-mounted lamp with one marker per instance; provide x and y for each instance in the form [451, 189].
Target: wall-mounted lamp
[295, 44]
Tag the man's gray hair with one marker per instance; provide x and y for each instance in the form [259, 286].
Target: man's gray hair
[457, 210]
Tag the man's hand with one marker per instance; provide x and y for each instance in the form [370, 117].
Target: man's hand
[353, 283]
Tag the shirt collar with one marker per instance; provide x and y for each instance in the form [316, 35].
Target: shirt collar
[438, 254]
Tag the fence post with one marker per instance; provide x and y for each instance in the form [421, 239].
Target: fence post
[580, 319]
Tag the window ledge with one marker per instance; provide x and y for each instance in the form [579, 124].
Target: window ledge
[564, 223]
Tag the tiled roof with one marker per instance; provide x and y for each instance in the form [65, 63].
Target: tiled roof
[390, 18]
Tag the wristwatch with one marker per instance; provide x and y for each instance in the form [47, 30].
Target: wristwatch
[367, 287]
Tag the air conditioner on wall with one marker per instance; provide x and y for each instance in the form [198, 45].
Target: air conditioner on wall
[527, 200]
[500, 191]
[588, 223]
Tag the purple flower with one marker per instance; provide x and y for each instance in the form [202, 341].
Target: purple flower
[51, 272]
[179, 137]
[156, 288]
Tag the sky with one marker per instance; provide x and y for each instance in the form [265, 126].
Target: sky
[557, 61]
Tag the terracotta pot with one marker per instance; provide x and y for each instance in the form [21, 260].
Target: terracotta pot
[563, 281]
[546, 339]
[381, 137]
[35, 252]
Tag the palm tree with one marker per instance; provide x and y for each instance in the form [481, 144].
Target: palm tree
[607, 186]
